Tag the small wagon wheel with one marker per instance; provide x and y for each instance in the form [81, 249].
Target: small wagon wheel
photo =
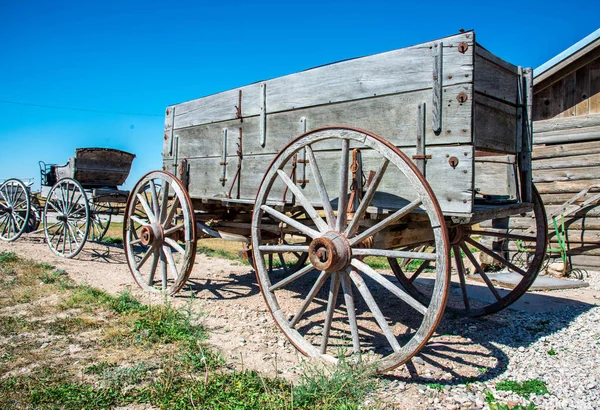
[66, 218]
[100, 217]
[517, 251]
[15, 204]
[159, 231]
[367, 326]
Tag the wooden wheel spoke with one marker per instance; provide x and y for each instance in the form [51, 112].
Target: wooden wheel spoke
[171, 214]
[321, 188]
[72, 234]
[461, 276]
[367, 198]
[175, 245]
[386, 222]
[144, 258]
[163, 269]
[291, 222]
[374, 308]
[343, 198]
[351, 310]
[292, 277]
[283, 264]
[52, 205]
[154, 196]
[494, 255]
[479, 269]
[282, 248]
[153, 267]
[309, 298]
[164, 201]
[146, 207]
[174, 229]
[394, 254]
[419, 270]
[524, 238]
[395, 290]
[170, 262]
[310, 210]
[331, 301]
[138, 220]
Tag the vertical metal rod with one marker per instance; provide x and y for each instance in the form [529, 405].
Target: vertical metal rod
[437, 87]
[263, 114]
[224, 158]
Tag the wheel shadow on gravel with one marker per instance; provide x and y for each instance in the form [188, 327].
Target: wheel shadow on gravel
[466, 350]
[213, 287]
[102, 252]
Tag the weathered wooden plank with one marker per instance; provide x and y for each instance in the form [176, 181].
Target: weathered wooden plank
[397, 71]
[582, 91]
[560, 187]
[568, 95]
[590, 263]
[495, 80]
[392, 117]
[588, 174]
[494, 124]
[594, 100]
[484, 53]
[541, 105]
[566, 150]
[579, 161]
[557, 199]
[560, 124]
[452, 186]
[496, 178]
[568, 136]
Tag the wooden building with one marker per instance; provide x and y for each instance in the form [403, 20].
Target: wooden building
[566, 154]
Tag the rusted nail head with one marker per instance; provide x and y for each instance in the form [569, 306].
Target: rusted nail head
[463, 47]
[462, 97]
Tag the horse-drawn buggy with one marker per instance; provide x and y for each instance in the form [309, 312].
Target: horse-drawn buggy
[76, 201]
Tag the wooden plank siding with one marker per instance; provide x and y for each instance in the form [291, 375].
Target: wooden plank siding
[566, 155]
[476, 110]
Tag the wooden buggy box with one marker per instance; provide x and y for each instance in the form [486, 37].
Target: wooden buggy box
[450, 105]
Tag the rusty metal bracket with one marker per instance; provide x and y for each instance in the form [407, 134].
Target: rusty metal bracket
[437, 88]
[421, 157]
[237, 177]
[238, 108]
[223, 162]
[302, 160]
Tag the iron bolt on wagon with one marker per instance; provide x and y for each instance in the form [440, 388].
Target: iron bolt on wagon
[76, 202]
[408, 165]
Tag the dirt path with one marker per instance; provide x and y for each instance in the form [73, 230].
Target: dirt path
[225, 291]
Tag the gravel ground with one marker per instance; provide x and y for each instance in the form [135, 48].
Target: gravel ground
[559, 347]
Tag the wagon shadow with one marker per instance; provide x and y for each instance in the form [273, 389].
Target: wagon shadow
[234, 286]
[467, 350]
[103, 252]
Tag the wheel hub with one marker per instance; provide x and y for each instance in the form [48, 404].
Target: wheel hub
[457, 234]
[62, 218]
[151, 234]
[331, 252]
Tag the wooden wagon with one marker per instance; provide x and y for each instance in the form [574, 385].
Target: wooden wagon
[407, 162]
[76, 201]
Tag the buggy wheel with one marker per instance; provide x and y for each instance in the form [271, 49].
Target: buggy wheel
[512, 250]
[159, 231]
[66, 218]
[384, 326]
[100, 217]
[15, 204]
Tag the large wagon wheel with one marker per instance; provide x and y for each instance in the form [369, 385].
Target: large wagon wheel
[159, 231]
[367, 327]
[100, 217]
[516, 251]
[66, 218]
[15, 204]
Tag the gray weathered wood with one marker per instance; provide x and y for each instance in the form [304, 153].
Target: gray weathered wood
[438, 78]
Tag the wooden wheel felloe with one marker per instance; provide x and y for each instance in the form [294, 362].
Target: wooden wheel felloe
[15, 204]
[66, 218]
[508, 246]
[100, 217]
[160, 233]
[385, 325]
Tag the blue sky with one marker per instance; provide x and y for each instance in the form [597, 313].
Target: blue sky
[137, 57]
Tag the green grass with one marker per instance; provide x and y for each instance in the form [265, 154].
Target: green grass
[112, 240]
[435, 386]
[7, 257]
[525, 388]
[134, 353]
[551, 352]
